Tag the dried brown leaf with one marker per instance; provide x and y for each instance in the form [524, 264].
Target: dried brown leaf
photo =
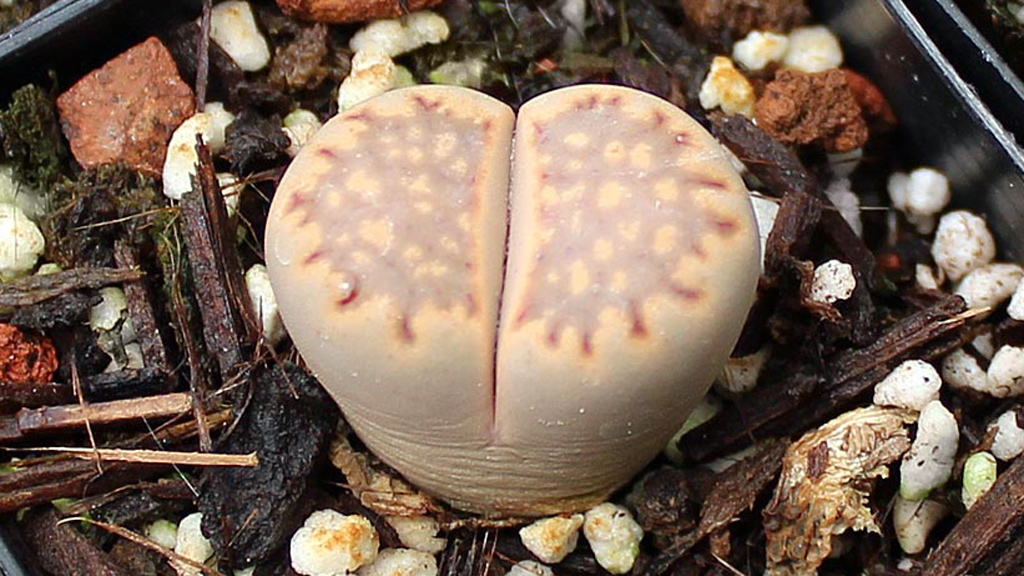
[825, 483]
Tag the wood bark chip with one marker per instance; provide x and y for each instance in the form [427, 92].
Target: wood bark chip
[38, 288]
[63, 550]
[807, 397]
[825, 483]
[228, 322]
[141, 312]
[736, 490]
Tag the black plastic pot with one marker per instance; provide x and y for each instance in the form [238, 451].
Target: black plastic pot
[943, 122]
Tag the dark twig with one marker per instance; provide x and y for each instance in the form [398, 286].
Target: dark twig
[38, 288]
[203, 64]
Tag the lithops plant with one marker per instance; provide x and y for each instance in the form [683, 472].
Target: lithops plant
[530, 377]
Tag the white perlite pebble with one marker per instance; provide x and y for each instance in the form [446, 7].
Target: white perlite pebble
[923, 192]
[401, 562]
[231, 188]
[983, 343]
[833, 281]
[373, 73]
[575, 14]
[813, 49]
[233, 27]
[264, 303]
[914, 520]
[191, 544]
[552, 539]
[759, 49]
[927, 277]
[929, 462]
[847, 203]
[990, 285]
[1016, 307]
[765, 211]
[300, 125]
[979, 476]
[164, 533]
[530, 568]
[181, 159]
[962, 243]
[418, 532]
[14, 192]
[1008, 442]
[21, 242]
[727, 88]
[396, 37]
[1006, 372]
[843, 164]
[613, 536]
[332, 544]
[105, 315]
[739, 375]
[961, 370]
[912, 385]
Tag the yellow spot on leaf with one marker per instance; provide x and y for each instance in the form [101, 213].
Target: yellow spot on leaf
[577, 139]
[579, 277]
[665, 239]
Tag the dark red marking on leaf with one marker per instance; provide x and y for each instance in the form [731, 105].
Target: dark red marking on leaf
[587, 344]
[698, 251]
[615, 101]
[554, 335]
[427, 104]
[471, 305]
[317, 255]
[659, 118]
[710, 183]
[469, 266]
[350, 297]
[689, 294]
[725, 227]
[327, 153]
[488, 124]
[523, 314]
[297, 201]
[539, 132]
[405, 329]
[362, 116]
[545, 176]
[639, 329]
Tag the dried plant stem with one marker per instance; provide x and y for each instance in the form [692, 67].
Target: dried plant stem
[156, 456]
[53, 418]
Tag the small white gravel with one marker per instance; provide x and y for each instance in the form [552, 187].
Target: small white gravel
[962, 243]
[929, 462]
[300, 125]
[1006, 372]
[961, 370]
[233, 27]
[1016, 307]
[979, 475]
[163, 533]
[401, 562]
[614, 536]
[912, 385]
[765, 212]
[813, 49]
[530, 568]
[418, 532]
[990, 285]
[21, 243]
[846, 202]
[397, 36]
[330, 543]
[759, 49]
[373, 73]
[552, 539]
[181, 159]
[727, 88]
[833, 281]
[928, 277]
[914, 521]
[191, 544]
[264, 303]
[1008, 442]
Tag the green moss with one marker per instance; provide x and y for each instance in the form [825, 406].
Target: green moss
[30, 138]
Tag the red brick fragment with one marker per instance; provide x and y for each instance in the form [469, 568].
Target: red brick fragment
[873, 105]
[724, 20]
[800, 108]
[127, 110]
[340, 11]
[25, 358]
